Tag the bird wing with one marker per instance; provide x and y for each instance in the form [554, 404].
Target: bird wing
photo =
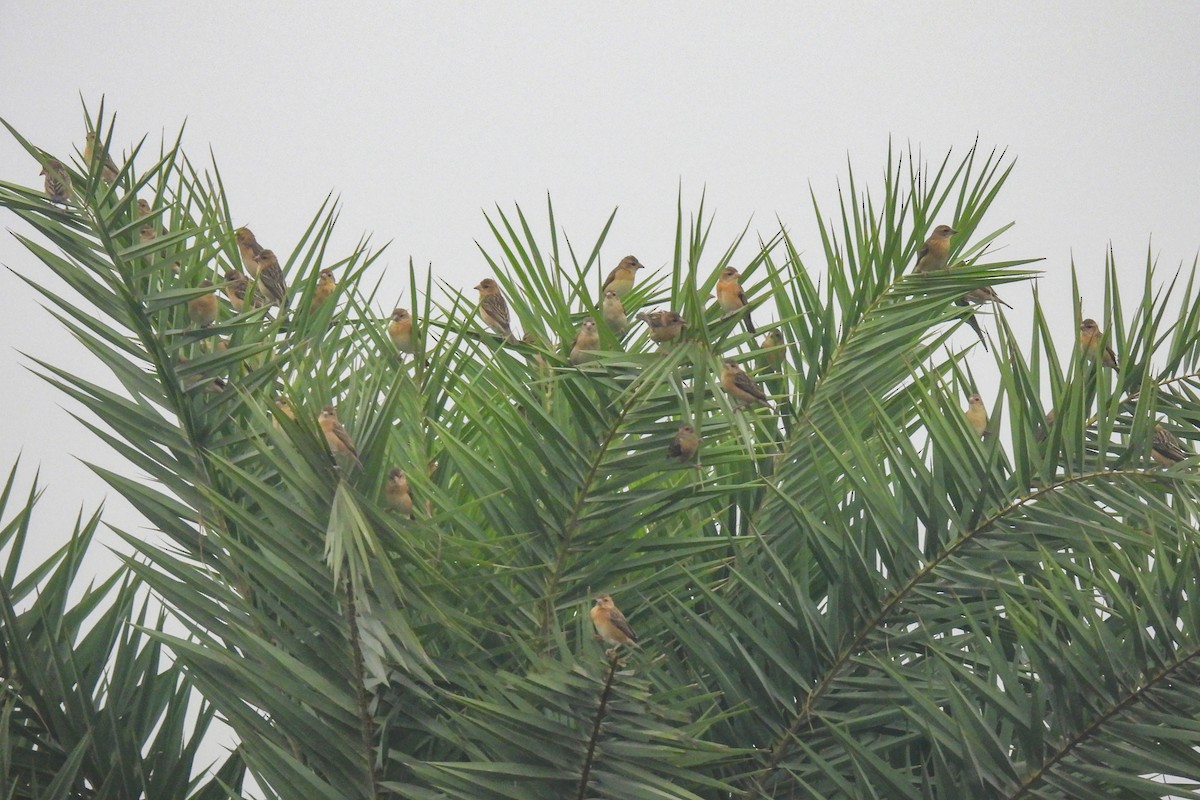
[496, 308]
[1167, 445]
[619, 622]
[924, 251]
[271, 279]
[612, 276]
[969, 318]
[743, 382]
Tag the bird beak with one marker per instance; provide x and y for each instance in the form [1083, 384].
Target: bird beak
[952, 231]
[476, 286]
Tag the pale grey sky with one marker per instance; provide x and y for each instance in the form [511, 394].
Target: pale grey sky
[419, 116]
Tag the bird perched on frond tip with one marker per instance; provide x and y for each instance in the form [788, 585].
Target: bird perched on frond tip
[935, 253]
[493, 309]
[1090, 337]
[741, 386]
[611, 625]
[730, 296]
[685, 444]
[90, 152]
[620, 280]
[587, 339]
[326, 286]
[58, 181]
[1165, 447]
[977, 415]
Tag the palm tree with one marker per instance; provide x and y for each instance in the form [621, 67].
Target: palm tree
[852, 596]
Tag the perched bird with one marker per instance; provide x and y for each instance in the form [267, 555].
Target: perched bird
[249, 248]
[664, 326]
[400, 331]
[270, 278]
[236, 288]
[977, 415]
[620, 280]
[936, 252]
[586, 339]
[109, 171]
[1090, 336]
[149, 230]
[610, 623]
[336, 437]
[685, 444]
[58, 181]
[614, 313]
[326, 284]
[285, 409]
[198, 380]
[737, 383]
[1043, 431]
[984, 294]
[493, 308]
[730, 296]
[773, 351]
[396, 496]
[202, 309]
[1165, 447]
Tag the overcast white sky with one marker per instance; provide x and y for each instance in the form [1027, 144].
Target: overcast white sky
[419, 116]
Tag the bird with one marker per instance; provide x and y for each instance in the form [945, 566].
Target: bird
[1090, 336]
[109, 171]
[730, 296]
[935, 254]
[58, 181]
[197, 379]
[969, 318]
[1043, 430]
[326, 284]
[984, 294]
[336, 437]
[285, 409]
[614, 313]
[270, 277]
[202, 309]
[236, 289]
[587, 339]
[737, 383]
[494, 309]
[249, 248]
[611, 625]
[396, 495]
[685, 444]
[773, 352]
[620, 280]
[977, 415]
[147, 231]
[1165, 447]
[400, 331]
[664, 326]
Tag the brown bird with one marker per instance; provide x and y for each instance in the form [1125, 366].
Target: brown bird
[202, 309]
[737, 383]
[984, 294]
[198, 380]
[773, 351]
[326, 285]
[285, 409]
[610, 623]
[977, 415]
[1090, 337]
[270, 278]
[400, 331]
[1165, 447]
[396, 495]
[587, 339]
[236, 288]
[730, 296]
[620, 280]
[336, 437]
[58, 181]
[664, 326]
[149, 230]
[685, 444]
[109, 170]
[249, 248]
[614, 313]
[936, 252]
[493, 308]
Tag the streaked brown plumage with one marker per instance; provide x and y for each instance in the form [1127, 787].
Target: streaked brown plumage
[58, 181]
[610, 623]
[1090, 337]
[236, 287]
[685, 444]
[773, 351]
[614, 313]
[109, 169]
[202, 309]
[493, 308]
[730, 296]
[739, 385]
[400, 331]
[663, 326]
[935, 254]
[984, 294]
[336, 436]
[620, 280]
[270, 278]
[249, 248]
[197, 381]
[586, 339]
[150, 229]
[977, 415]
[396, 494]
[1165, 447]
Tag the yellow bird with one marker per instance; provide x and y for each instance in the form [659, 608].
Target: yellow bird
[336, 436]
[1090, 337]
[664, 326]
[396, 494]
[620, 280]
[586, 340]
[109, 170]
[936, 252]
[614, 313]
[685, 444]
[326, 285]
[202, 309]
[977, 415]
[249, 248]
[1165, 447]
[400, 331]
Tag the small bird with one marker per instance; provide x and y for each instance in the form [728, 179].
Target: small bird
[270, 278]
[147, 231]
[977, 415]
[737, 383]
[109, 171]
[984, 294]
[664, 326]
[936, 252]
[493, 308]
[1165, 447]
[730, 296]
[396, 495]
[198, 380]
[249, 248]
[773, 351]
[58, 181]
[400, 331]
[1043, 430]
[620, 280]
[285, 409]
[685, 444]
[1089, 340]
[614, 313]
[326, 285]
[202, 309]
[236, 289]
[586, 339]
[336, 437]
[610, 623]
